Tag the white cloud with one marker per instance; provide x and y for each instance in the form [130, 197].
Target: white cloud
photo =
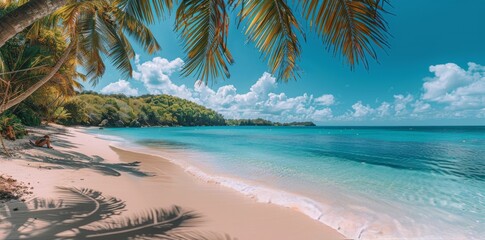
[361, 110]
[456, 87]
[261, 100]
[383, 109]
[453, 92]
[325, 100]
[120, 87]
[401, 102]
[155, 76]
[420, 106]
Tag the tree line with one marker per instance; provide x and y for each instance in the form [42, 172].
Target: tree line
[92, 109]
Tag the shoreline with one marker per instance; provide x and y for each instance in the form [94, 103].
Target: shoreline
[258, 193]
[223, 210]
[353, 220]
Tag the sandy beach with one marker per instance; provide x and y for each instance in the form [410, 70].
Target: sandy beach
[85, 188]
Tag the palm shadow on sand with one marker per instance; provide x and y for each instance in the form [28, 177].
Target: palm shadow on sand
[74, 160]
[88, 214]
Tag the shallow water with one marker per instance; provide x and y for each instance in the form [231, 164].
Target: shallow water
[367, 182]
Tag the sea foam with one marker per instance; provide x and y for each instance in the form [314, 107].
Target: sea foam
[261, 194]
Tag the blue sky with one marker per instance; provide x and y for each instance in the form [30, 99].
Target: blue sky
[431, 75]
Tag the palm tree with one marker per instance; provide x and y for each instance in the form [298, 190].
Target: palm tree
[33, 10]
[21, 65]
[95, 29]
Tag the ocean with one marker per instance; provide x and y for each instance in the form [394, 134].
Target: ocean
[366, 182]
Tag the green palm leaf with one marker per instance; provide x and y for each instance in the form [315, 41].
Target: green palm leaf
[203, 26]
[119, 48]
[136, 29]
[274, 29]
[350, 27]
[144, 10]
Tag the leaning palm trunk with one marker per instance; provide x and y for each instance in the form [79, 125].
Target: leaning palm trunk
[24, 95]
[22, 17]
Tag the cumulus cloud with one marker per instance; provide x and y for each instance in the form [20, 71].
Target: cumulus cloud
[361, 110]
[120, 87]
[261, 100]
[325, 100]
[456, 87]
[401, 102]
[384, 109]
[420, 106]
[155, 76]
[453, 92]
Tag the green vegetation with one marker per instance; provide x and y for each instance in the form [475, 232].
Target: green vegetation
[94, 109]
[12, 120]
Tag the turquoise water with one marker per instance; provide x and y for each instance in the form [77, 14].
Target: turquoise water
[367, 182]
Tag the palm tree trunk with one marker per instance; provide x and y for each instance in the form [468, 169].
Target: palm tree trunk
[22, 17]
[18, 99]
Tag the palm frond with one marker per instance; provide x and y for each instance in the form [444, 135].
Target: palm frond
[99, 28]
[120, 50]
[70, 13]
[82, 21]
[66, 84]
[91, 45]
[349, 27]
[138, 30]
[48, 22]
[273, 27]
[145, 11]
[203, 26]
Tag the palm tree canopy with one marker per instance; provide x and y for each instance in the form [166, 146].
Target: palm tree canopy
[352, 28]
[100, 29]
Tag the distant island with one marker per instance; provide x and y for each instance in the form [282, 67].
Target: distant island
[262, 122]
[94, 109]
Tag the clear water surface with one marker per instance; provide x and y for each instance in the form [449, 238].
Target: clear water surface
[367, 182]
